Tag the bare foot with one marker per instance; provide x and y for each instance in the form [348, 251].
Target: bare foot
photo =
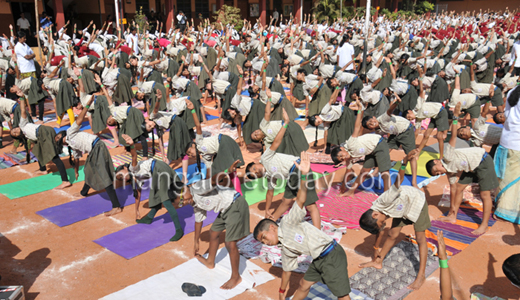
[205, 261]
[13, 151]
[348, 193]
[39, 122]
[451, 218]
[114, 211]
[38, 172]
[231, 283]
[65, 184]
[480, 230]
[114, 145]
[371, 264]
[417, 283]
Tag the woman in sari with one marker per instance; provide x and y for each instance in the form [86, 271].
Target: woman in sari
[507, 162]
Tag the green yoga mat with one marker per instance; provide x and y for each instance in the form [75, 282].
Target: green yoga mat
[38, 184]
[254, 191]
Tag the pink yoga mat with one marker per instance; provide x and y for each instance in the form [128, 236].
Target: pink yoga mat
[344, 211]
[321, 168]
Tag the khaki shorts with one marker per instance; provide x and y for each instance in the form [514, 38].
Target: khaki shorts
[293, 186]
[332, 271]
[441, 122]
[380, 158]
[405, 140]
[235, 220]
[423, 222]
[484, 175]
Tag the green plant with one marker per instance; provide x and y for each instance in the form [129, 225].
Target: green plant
[424, 7]
[326, 9]
[140, 19]
[229, 15]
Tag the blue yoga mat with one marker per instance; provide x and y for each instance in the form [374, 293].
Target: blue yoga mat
[140, 238]
[88, 207]
[376, 185]
[210, 117]
[245, 93]
[84, 126]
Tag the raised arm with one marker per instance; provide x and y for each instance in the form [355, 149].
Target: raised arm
[267, 112]
[190, 106]
[455, 125]
[358, 128]
[393, 105]
[279, 137]
[304, 166]
[81, 116]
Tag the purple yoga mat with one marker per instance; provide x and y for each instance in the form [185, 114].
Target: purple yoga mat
[78, 210]
[140, 238]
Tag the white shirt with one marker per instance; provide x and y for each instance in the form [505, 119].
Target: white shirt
[133, 39]
[346, 54]
[515, 53]
[25, 66]
[23, 23]
[79, 141]
[510, 138]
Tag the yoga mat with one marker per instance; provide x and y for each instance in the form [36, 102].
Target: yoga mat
[424, 157]
[375, 184]
[167, 285]
[4, 164]
[399, 270]
[344, 211]
[18, 158]
[321, 291]
[140, 238]
[88, 207]
[254, 191]
[322, 168]
[434, 148]
[211, 117]
[84, 126]
[38, 184]
[457, 236]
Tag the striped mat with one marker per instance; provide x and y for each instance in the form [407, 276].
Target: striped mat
[127, 158]
[457, 236]
[344, 211]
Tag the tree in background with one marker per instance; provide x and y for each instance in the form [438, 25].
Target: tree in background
[229, 15]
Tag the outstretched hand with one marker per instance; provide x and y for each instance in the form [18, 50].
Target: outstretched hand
[305, 164]
[128, 140]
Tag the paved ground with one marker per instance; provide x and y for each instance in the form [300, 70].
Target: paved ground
[64, 263]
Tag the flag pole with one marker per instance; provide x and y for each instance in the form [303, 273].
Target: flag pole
[38, 32]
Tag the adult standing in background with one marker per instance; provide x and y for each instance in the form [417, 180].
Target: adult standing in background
[276, 16]
[515, 57]
[507, 162]
[346, 54]
[181, 21]
[25, 57]
[23, 25]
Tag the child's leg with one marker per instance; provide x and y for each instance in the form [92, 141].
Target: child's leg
[63, 173]
[71, 115]
[303, 289]
[113, 131]
[179, 232]
[213, 247]
[144, 145]
[487, 203]
[413, 164]
[84, 190]
[234, 257]
[203, 112]
[58, 120]
[282, 208]
[389, 243]
[116, 207]
[387, 180]
[423, 256]
[151, 214]
[315, 215]
[440, 138]
[455, 203]
[41, 109]
[357, 182]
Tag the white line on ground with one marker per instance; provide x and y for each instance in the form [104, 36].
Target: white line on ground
[180, 254]
[25, 224]
[81, 262]
[19, 169]
[118, 221]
